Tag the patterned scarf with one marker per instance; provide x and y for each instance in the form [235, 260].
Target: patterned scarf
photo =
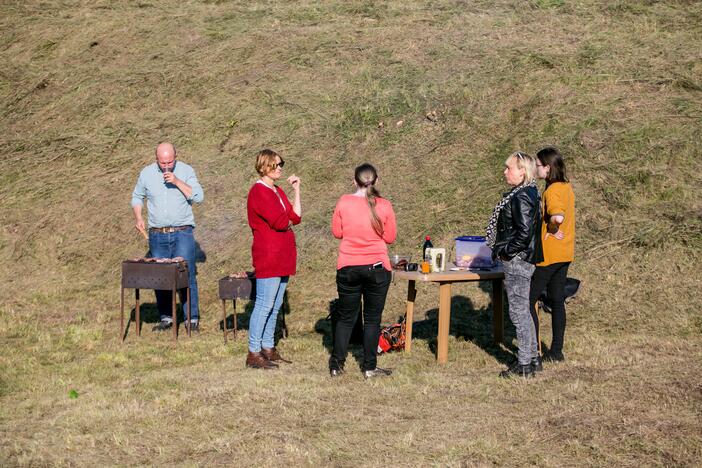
[491, 231]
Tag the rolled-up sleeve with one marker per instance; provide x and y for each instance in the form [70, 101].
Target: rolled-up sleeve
[198, 194]
[139, 192]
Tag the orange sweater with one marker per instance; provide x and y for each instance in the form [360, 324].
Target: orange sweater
[360, 245]
[559, 199]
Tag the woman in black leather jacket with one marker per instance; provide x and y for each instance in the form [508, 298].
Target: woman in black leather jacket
[513, 235]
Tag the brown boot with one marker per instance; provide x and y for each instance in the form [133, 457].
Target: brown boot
[272, 355]
[258, 361]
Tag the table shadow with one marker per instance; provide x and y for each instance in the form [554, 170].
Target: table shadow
[470, 324]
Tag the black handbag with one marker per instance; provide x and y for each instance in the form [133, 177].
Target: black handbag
[572, 287]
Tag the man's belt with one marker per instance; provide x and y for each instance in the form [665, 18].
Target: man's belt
[168, 229]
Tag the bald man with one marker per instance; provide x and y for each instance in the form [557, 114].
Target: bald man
[170, 188]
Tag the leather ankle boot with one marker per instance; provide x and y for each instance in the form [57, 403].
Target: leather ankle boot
[259, 361]
[272, 355]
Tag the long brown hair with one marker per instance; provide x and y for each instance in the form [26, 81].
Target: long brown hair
[553, 158]
[365, 176]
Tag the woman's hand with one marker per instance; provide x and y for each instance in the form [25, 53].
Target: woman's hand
[294, 181]
[558, 235]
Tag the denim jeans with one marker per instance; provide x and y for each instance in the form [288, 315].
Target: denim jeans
[518, 284]
[176, 244]
[269, 299]
[352, 283]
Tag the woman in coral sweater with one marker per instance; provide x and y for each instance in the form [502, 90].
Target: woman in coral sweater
[271, 217]
[365, 223]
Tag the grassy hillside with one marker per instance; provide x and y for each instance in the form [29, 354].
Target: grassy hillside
[87, 89]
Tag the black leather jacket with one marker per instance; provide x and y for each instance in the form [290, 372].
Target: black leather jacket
[519, 228]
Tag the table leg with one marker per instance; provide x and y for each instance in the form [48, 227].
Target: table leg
[234, 317]
[409, 314]
[138, 312]
[444, 321]
[187, 300]
[121, 315]
[497, 311]
[173, 312]
[224, 319]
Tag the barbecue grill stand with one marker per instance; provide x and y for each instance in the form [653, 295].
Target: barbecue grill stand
[160, 276]
[244, 288]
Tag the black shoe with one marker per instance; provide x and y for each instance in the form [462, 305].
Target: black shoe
[336, 368]
[554, 357]
[193, 326]
[537, 364]
[163, 325]
[377, 372]
[518, 370]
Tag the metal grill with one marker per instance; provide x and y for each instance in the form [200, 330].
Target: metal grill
[160, 276]
[245, 288]
[233, 289]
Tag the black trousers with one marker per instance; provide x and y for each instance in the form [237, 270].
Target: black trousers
[553, 279]
[352, 284]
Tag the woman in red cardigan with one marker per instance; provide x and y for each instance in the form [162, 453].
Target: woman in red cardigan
[271, 217]
[365, 223]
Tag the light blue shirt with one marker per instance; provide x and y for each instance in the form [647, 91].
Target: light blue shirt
[165, 203]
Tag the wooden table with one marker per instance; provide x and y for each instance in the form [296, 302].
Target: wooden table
[445, 280]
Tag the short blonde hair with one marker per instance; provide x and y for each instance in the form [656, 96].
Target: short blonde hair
[265, 161]
[526, 162]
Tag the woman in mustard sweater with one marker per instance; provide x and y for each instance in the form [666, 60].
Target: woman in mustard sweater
[558, 241]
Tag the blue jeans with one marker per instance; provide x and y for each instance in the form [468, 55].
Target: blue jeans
[176, 244]
[269, 298]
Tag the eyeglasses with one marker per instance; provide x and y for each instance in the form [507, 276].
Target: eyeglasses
[279, 165]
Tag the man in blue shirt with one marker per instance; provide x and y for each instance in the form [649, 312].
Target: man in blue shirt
[170, 188]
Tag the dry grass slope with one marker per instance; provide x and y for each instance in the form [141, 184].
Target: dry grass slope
[88, 87]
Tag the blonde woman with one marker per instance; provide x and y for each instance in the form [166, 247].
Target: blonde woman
[513, 234]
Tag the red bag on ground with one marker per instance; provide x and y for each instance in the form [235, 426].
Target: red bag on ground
[392, 338]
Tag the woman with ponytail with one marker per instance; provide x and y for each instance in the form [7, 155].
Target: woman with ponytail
[365, 223]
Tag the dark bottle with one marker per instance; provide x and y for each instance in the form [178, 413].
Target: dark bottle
[427, 245]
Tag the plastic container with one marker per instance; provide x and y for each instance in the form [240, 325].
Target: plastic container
[471, 252]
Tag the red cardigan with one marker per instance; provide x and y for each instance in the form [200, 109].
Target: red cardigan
[273, 250]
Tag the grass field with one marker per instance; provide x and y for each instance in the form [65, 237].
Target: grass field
[87, 89]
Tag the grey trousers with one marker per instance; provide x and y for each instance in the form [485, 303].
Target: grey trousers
[517, 283]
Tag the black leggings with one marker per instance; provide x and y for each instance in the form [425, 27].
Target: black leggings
[553, 279]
